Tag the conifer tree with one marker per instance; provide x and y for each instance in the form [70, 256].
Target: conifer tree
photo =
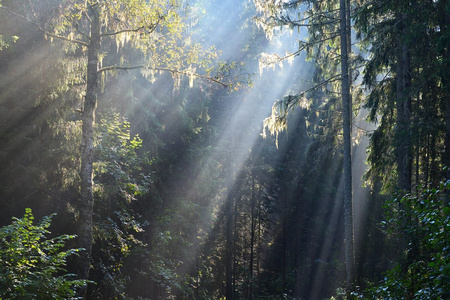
[347, 119]
[327, 22]
[404, 74]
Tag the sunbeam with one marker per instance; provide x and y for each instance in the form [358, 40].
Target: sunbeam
[210, 149]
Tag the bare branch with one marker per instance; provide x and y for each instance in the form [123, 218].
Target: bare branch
[363, 129]
[212, 79]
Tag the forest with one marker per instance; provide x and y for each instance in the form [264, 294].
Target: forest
[225, 149]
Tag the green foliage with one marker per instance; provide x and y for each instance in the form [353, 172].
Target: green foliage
[423, 222]
[6, 41]
[32, 266]
[120, 180]
[118, 164]
[315, 26]
[386, 27]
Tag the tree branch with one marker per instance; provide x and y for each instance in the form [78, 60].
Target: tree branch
[124, 68]
[151, 28]
[293, 100]
[40, 28]
[302, 47]
[179, 72]
[286, 20]
[122, 31]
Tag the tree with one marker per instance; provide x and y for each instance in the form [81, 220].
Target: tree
[326, 21]
[406, 85]
[403, 83]
[444, 9]
[120, 180]
[347, 120]
[153, 28]
[408, 99]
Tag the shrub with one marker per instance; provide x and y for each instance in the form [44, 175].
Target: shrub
[33, 266]
[423, 222]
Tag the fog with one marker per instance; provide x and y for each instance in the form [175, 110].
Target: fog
[286, 196]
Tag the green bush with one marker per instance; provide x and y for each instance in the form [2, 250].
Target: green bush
[32, 266]
[422, 222]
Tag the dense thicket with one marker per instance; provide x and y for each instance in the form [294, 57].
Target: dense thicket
[190, 201]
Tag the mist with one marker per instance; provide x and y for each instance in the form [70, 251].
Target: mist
[195, 150]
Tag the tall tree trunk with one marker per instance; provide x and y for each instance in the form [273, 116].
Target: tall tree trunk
[229, 247]
[284, 254]
[258, 241]
[87, 148]
[348, 29]
[446, 83]
[236, 271]
[403, 136]
[252, 240]
[346, 106]
[434, 169]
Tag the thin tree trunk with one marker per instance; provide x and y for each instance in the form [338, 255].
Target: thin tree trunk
[252, 240]
[229, 247]
[417, 147]
[258, 241]
[403, 121]
[447, 129]
[407, 116]
[346, 105]
[434, 170]
[87, 149]
[446, 83]
[283, 257]
[403, 136]
[235, 240]
[427, 162]
[348, 29]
